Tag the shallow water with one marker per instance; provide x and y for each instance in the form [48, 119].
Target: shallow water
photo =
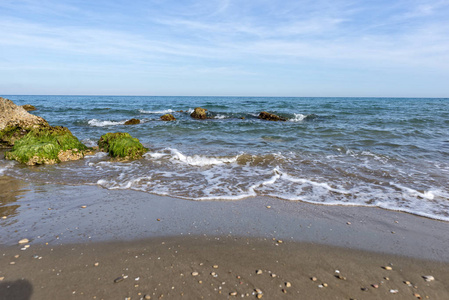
[390, 153]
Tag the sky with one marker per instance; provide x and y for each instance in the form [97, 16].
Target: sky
[317, 48]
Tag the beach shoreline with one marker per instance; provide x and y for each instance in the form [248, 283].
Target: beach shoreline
[74, 227]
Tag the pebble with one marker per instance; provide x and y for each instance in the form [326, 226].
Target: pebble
[340, 277]
[12, 263]
[348, 223]
[376, 286]
[388, 268]
[268, 206]
[158, 220]
[195, 273]
[84, 206]
[214, 274]
[215, 266]
[259, 296]
[280, 241]
[325, 284]
[288, 284]
[118, 279]
[258, 291]
[417, 295]
[24, 241]
[96, 264]
[258, 272]
[233, 294]
[407, 282]
[4, 217]
[16, 256]
[147, 297]
[284, 291]
[428, 278]
[313, 279]
[394, 291]
[273, 275]
[1, 278]
[364, 289]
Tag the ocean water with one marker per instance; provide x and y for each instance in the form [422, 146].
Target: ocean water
[390, 153]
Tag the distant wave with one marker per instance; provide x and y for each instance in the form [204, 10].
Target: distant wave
[167, 111]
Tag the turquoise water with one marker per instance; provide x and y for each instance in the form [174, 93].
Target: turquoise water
[392, 153]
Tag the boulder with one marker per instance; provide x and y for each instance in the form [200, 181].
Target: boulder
[47, 145]
[168, 117]
[270, 117]
[121, 145]
[132, 122]
[28, 107]
[199, 113]
[16, 122]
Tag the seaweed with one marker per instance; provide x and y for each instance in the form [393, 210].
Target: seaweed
[121, 145]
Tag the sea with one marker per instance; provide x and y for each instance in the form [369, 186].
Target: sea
[391, 153]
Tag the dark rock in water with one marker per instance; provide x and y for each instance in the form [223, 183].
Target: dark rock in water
[16, 122]
[168, 117]
[47, 145]
[121, 145]
[132, 122]
[310, 117]
[270, 117]
[199, 113]
[28, 107]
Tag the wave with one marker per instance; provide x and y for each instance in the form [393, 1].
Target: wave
[166, 111]
[195, 160]
[99, 123]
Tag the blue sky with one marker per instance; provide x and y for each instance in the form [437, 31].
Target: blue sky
[225, 47]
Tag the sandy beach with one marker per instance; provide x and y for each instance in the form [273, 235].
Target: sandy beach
[86, 242]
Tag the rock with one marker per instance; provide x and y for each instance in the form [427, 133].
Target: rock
[258, 272]
[147, 297]
[233, 294]
[168, 117]
[394, 291]
[340, 277]
[313, 278]
[288, 284]
[47, 145]
[121, 145]
[24, 241]
[428, 278]
[16, 122]
[28, 107]
[195, 273]
[199, 113]
[215, 266]
[119, 279]
[388, 268]
[270, 117]
[132, 122]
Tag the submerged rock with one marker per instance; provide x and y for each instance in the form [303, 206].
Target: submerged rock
[199, 113]
[168, 117]
[132, 122]
[16, 122]
[270, 117]
[121, 145]
[28, 107]
[47, 145]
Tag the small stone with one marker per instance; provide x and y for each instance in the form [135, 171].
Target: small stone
[147, 297]
[268, 206]
[325, 284]
[233, 294]
[386, 278]
[407, 282]
[118, 279]
[388, 268]
[84, 206]
[376, 286]
[258, 272]
[26, 246]
[394, 291]
[4, 217]
[258, 291]
[348, 223]
[215, 266]
[213, 274]
[314, 279]
[288, 284]
[280, 241]
[428, 278]
[273, 275]
[340, 277]
[259, 296]
[96, 264]
[12, 263]
[200, 282]
[24, 241]
[417, 295]
[158, 220]
[16, 256]
[284, 291]
[1, 278]
[195, 273]
[364, 289]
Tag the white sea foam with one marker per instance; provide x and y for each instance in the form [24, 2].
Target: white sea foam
[99, 123]
[298, 118]
[220, 117]
[195, 160]
[166, 111]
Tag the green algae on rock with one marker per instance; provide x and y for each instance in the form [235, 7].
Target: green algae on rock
[270, 117]
[16, 122]
[168, 117]
[132, 122]
[121, 145]
[47, 145]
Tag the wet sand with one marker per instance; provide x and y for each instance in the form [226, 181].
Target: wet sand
[162, 240]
